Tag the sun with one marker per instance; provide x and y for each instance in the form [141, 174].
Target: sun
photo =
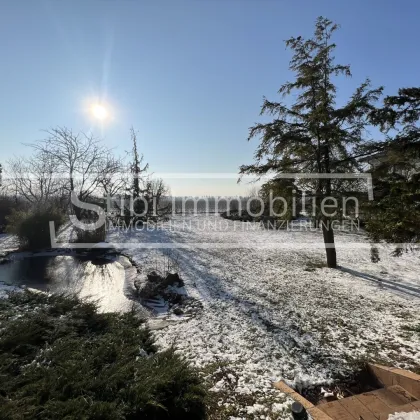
[99, 112]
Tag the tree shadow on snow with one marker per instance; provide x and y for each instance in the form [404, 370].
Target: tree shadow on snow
[284, 332]
[399, 287]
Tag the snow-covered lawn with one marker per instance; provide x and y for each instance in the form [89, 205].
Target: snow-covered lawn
[270, 313]
[8, 243]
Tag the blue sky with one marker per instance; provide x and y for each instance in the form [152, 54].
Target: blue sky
[188, 75]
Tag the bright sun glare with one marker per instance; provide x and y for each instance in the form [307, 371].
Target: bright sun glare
[99, 112]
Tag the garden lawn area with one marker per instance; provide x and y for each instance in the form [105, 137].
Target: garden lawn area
[272, 310]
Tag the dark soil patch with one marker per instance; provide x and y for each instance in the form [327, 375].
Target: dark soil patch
[360, 381]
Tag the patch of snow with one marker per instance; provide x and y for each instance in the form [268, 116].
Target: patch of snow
[5, 289]
[256, 408]
[8, 243]
[279, 407]
[414, 415]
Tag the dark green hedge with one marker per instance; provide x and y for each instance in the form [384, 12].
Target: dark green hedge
[61, 359]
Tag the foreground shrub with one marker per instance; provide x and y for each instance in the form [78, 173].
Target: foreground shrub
[60, 358]
[32, 227]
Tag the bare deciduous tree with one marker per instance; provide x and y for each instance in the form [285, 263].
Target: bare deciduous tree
[114, 179]
[80, 158]
[34, 178]
[156, 190]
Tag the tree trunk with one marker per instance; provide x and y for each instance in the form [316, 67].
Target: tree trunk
[327, 229]
[328, 234]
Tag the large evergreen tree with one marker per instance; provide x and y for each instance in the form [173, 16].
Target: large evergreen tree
[313, 134]
[394, 215]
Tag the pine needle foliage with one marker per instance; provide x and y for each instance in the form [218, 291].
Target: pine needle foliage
[61, 359]
[309, 132]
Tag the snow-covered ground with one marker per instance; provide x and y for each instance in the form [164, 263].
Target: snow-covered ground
[271, 311]
[8, 243]
[405, 416]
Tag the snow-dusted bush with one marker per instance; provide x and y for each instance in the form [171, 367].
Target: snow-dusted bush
[32, 227]
[63, 359]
